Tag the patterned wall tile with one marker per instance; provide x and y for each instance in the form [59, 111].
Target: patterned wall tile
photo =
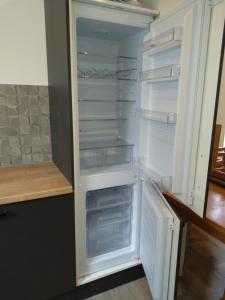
[25, 135]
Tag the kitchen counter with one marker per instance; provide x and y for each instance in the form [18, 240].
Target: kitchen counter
[30, 182]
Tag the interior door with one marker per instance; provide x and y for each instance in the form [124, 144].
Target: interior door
[174, 60]
[160, 228]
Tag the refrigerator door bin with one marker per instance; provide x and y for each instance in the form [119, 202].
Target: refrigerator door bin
[163, 73]
[158, 43]
[108, 238]
[109, 197]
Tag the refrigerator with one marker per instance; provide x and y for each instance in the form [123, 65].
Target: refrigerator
[137, 85]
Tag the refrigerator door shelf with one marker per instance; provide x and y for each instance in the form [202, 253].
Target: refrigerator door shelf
[162, 74]
[164, 41]
[164, 117]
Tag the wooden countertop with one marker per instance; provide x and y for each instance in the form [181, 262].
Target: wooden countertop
[31, 182]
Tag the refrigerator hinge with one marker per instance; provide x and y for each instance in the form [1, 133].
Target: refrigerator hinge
[213, 3]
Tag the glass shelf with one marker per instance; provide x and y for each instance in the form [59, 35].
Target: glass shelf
[107, 143]
[103, 57]
[123, 72]
[105, 100]
[101, 118]
[106, 79]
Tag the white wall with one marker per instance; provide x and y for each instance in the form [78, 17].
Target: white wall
[22, 42]
[166, 5]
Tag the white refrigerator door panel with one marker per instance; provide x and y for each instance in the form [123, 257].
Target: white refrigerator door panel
[179, 94]
[159, 243]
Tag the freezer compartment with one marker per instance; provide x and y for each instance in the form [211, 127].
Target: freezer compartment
[108, 238]
[163, 73]
[108, 215]
[109, 197]
[103, 157]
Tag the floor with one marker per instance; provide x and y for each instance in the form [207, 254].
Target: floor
[204, 268]
[136, 290]
[216, 204]
[203, 277]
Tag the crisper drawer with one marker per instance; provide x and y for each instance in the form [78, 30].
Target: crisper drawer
[94, 158]
[91, 158]
[119, 155]
[108, 238]
[109, 197]
[108, 215]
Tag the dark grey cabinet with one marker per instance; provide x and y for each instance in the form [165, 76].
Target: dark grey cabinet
[37, 248]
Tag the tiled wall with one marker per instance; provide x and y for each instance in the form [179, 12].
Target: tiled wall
[24, 125]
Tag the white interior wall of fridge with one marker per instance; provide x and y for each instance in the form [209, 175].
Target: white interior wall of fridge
[108, 58]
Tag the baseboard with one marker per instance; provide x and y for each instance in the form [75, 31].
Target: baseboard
[217, 181]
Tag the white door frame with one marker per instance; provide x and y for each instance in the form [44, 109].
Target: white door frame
[208, 108]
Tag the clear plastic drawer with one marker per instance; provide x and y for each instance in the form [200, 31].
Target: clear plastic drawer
[91, 158]
[106, 156]
[119, 155]
[108, 215]
[109, 197]
[108, 238]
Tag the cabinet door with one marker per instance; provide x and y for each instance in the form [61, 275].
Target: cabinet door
[160, 229]
[174, 60]
[37, 249]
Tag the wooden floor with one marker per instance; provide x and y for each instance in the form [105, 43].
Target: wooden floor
[203, 277]
[216, 204]
[204, 268]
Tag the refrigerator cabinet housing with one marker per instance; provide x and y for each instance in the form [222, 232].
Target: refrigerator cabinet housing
[157, 118]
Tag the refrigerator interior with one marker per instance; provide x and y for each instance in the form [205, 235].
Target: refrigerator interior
[109, 87]
[108, 57]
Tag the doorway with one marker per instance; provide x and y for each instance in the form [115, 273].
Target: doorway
[215, 204]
